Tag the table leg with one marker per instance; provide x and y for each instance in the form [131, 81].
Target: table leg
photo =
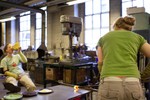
[91, 75]
[75, 76]
[44, 76]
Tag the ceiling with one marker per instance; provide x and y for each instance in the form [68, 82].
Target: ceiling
[10, 8]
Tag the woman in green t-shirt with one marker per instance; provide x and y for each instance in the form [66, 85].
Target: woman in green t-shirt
[117, 62]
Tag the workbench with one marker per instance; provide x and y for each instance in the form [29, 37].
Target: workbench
[60, 92]
[71, 66]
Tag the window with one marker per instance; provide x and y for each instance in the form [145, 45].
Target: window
[24, 34]
[96, 21]
[134, 3]
[38, 34]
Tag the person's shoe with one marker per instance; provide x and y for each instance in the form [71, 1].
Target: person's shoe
[12, 88]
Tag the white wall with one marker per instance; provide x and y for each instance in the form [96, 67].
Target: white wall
[54, 35]
[115, 11]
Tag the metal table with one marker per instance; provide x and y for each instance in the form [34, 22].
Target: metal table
[60, 92]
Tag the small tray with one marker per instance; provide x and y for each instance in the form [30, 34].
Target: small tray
[45, 91]
[13, 96]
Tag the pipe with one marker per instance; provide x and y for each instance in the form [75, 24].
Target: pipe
[29, 3]
[43, 27]
[6, 4]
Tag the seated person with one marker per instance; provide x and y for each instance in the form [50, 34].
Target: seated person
[14, 72]
[1, 53]
[1, 57]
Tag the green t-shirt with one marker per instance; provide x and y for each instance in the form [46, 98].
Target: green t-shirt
[120, 49]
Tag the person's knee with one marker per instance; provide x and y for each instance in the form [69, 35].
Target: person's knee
[32, 87]
[11, 80]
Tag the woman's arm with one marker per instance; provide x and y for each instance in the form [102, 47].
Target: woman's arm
[22, 56]
[145, 49]
[8, 73]
[100, 58]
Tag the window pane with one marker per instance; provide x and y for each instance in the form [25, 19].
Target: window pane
[124, 8]
[105, 20]
[138, 3]
[96, 7]
[22, 19]
[126, 0]
[88, 7]
[38, 34]
[88, 22]
[25, 23]
[24, 44]
[21, 36]
[104, 31]
[38, 15]
[28, 17]
[38, 23]
[105, 5]
[22, 24]
[96, 35]
[27, 36]
[146, 5]
[96, 21]
[38, 43]
[24, 35]
[28, 24]
[88, 36]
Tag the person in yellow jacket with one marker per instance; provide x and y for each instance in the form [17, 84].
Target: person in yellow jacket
[12, 67]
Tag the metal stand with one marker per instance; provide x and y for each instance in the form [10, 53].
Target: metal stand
[70, 47]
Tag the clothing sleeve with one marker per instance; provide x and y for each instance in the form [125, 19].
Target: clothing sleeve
[100, 42]
[3, 64]
[99, 54]
[8, 73]
[22, 57]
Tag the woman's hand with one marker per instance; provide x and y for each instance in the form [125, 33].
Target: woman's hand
[19, 77]
[19, 49]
